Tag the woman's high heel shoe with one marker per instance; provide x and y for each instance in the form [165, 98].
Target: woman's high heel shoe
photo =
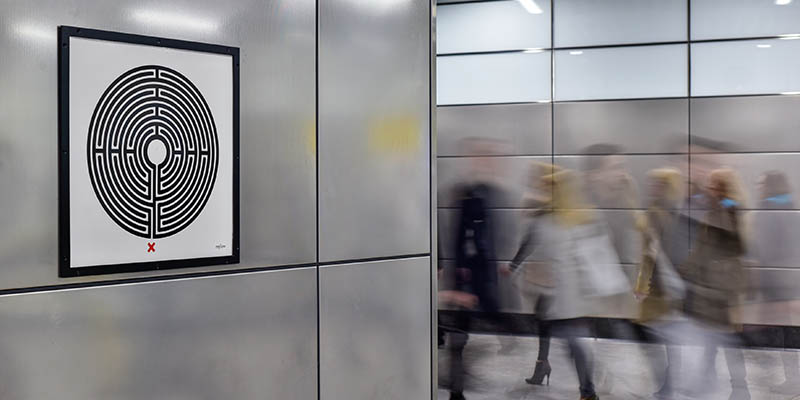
[542, 370]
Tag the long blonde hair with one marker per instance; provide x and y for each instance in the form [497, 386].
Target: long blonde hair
[569, 205]
[730, 185]
[672, 179]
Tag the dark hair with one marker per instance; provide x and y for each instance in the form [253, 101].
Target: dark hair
[598, 151]
[775, 183]
[710, 144]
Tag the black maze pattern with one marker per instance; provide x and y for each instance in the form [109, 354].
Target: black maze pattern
[146, 198]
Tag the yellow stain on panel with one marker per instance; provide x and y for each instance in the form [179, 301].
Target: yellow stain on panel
[310, 133]
[394, 134]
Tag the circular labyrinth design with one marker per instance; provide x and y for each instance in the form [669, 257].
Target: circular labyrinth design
[153, 151]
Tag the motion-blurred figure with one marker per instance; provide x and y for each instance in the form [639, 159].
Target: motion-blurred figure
[586, 268]
[609, 185]
[774, 247]
[475, 269]
[715, 281]
[539, 204]
[658, 285]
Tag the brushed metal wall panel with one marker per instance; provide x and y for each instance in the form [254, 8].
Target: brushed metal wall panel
[775, 284]
[488, 26]
[374, 138]
[589, 22]
[762, 123]
[603, 195]
[712, 19]
[638, 126]
[751, 169]
[249, 336]
[375, 330]
[773, 237]
[511, 176]
[520, 129]
[745, 67]
[277, 44]
[621, 72]
[493, 78]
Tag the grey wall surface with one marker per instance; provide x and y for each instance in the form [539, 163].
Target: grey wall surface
[374, 147]
[238, 331]
[237, 337]
[375, 337]
[277, 112]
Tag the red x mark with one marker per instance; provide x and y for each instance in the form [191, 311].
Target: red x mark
[151, 247]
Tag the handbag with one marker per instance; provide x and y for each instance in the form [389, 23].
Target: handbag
[599, 270]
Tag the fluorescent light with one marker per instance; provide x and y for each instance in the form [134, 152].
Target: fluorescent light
[763, 46]
[530, 6]
[35, 32]
[792, 36]
[175, 20]
[782, 2]
[790, 93]
[575, 53]
[542, 101]
[532, 51]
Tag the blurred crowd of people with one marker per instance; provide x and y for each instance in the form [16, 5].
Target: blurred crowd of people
[678, 253]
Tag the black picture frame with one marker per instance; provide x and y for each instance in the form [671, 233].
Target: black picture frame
[64, 256]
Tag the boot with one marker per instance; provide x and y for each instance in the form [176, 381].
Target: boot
[541, 371]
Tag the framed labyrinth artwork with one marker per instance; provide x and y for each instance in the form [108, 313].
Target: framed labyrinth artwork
[148, 153]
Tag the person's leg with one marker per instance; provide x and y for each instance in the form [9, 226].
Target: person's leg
[734, 357]
[572, 330]
[542, 369]
[457, 342]
[583, 366]
[791, 366]
[672, 374]
[457, 339]
[657, 354]
[542, 304]
[544, 341]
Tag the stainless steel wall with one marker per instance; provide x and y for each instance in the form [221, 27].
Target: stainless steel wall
[375, 199]
[375, 330]
[374, 188]
[278, 171]
[249, 336]
[224, 333]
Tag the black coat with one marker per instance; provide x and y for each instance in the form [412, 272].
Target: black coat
[475, 246]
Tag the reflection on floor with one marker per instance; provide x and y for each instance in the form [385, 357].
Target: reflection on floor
[622, 370]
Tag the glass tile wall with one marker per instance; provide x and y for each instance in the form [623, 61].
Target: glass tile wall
[664, 82]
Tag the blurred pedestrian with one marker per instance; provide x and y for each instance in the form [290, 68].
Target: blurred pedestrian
[538, 203]
[586, 268]
[658, 286]
[775, 247]
[715, 281]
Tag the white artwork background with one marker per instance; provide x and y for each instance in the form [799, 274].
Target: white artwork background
[95, 239]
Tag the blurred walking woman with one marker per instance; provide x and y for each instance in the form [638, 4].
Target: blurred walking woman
[715, 279]
[576, 243]
[534, 283]
[658, 285]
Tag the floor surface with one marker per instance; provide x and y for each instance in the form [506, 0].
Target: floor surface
[623, 370]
